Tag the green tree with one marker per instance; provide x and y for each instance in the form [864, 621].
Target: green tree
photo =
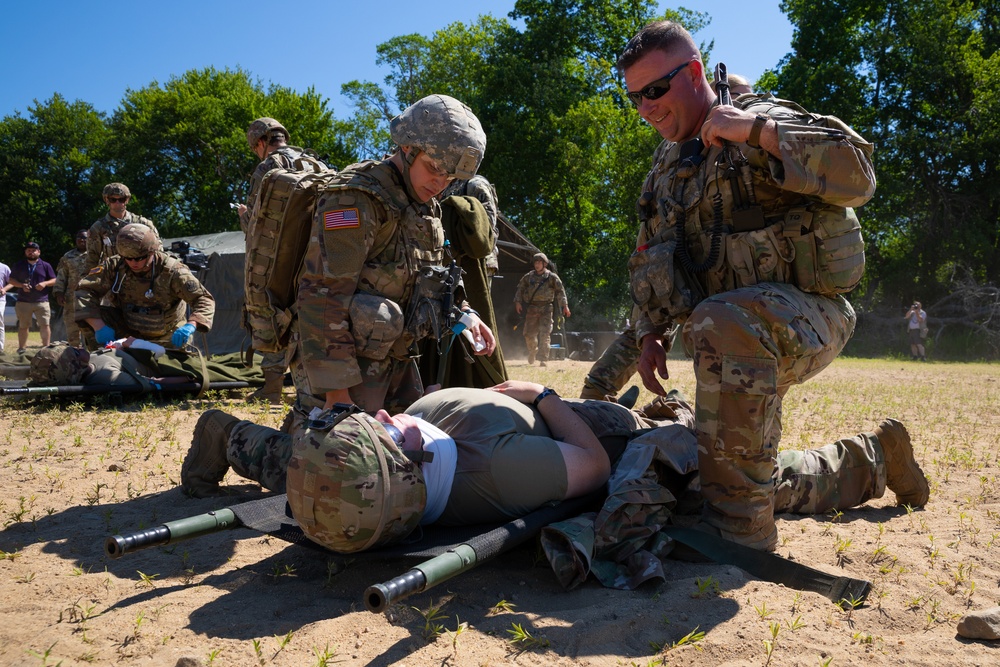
[182, 149]
[49, 177]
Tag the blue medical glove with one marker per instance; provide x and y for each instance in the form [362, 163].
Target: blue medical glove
[182, 335]
[104, 335]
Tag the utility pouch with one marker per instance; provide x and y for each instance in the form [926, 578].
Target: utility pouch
[829, 249]
[376, 324]
[760, 256]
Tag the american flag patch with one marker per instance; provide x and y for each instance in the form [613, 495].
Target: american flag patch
[344, 218]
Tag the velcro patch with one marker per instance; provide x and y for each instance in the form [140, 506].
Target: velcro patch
[343, 218]
[95, 271]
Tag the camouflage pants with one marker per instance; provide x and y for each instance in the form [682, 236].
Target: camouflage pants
[392, 384]
[538, 331]
[73, 336]
[273, 362]
[260, 453]
[614, 369]
[749, 346]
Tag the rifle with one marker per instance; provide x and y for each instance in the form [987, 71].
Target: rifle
[88, 390]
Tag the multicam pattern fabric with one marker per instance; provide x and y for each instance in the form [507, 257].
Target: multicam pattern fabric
[149, 306]
[382, 256]
[103, 237]
[756, 321]
[71, 268]
[58, 365]
[283, 157]
[654, 484]
[613, 369]
[446, 130]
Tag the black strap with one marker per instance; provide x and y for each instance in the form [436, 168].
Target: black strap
[842, 591]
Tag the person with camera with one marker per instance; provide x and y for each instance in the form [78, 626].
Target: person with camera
[916, 331]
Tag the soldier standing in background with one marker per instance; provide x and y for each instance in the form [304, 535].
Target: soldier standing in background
[268, 139]
[103, 235]
[536, 293]
[149, 293]
[71, 268]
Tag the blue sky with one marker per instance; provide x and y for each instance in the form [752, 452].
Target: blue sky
[94, 51]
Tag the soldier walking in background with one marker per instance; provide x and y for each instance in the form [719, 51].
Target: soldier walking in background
[268, 139]
[149, 294]
[71, 268]
[536, 293]
[103, 235]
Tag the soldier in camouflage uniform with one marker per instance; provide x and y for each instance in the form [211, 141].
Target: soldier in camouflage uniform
[71, 268]
[747, 241]
[376, 231]
[268, 139]
[149, 294]
[536, 293]
[615, 367]
[103, 236]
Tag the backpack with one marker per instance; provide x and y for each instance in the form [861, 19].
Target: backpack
[276, 239]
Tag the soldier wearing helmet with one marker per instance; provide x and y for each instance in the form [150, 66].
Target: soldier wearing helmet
[535, 295]
[268, 139]
[376, 229]
[149, 294]
[71, 268]
[102, 238]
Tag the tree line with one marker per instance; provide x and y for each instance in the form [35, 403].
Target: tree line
[566, 151]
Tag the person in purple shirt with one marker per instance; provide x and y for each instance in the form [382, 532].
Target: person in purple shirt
[34, 277]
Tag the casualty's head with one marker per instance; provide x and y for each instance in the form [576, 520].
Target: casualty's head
[59, 364]
[350, 486]
[441, 140]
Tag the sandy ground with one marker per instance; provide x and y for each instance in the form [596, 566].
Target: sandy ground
[75, 474]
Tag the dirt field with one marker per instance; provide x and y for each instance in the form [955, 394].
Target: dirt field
[75, 474]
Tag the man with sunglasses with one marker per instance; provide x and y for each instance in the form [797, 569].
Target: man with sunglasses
[738, 220]
[103, 235]
[149, 294]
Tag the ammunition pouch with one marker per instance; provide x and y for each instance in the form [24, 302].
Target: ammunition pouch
[376, 325]
[653, 282]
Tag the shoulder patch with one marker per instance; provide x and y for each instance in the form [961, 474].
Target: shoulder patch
[343, 218]
[97, 270]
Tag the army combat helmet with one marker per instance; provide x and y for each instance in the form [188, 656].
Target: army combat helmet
[136, 240]
[58, 365]
[446, 130]
[265, 128]
[350, 486]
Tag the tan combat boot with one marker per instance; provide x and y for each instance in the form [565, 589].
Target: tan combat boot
[271, 391]
[903, 474]
[205, 464]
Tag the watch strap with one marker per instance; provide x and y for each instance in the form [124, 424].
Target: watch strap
[548, 391]
[753, 141]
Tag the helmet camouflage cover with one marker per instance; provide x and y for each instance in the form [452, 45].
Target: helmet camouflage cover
[446, 130]
[540, 256]
[262, 128]
[351, 488]
[136, 240]
[116, 190]
[58, 365]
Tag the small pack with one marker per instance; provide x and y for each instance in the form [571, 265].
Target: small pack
[277, 236]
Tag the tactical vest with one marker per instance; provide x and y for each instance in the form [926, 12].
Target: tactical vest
[708, 238]
[404, 291]
[108, 228]
[147, 303]
[276, 239]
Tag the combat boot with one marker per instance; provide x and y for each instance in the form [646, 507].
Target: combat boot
[903, 474]
[271, 391]
[205, 464]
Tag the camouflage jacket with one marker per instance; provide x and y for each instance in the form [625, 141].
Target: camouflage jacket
[101, 243]
[152, 305]
[368, 237]
[282, 157]
[70, 269]
[824, 168]
[483, 190]
[540, 289]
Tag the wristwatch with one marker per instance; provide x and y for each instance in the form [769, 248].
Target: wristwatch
[548, 391]
[753, 141]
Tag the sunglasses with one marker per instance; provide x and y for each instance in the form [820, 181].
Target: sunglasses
[657, 89]
[118, 200]
[141, 258]
[395, 434]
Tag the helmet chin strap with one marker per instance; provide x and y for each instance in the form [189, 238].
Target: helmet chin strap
[408, 160]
